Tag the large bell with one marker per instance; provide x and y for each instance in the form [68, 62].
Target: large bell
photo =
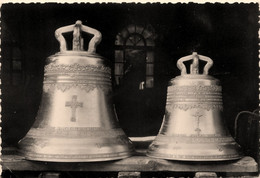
[76, 121]
[193, 128]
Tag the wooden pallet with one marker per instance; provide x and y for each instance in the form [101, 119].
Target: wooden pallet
[134, 166]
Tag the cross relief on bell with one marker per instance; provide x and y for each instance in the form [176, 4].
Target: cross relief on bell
[73, 104]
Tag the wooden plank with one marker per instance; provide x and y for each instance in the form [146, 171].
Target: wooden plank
[49, 175]
[129, 175]
[139, 163]
[205, 175]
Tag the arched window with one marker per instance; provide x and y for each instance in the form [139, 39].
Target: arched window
[134, 52]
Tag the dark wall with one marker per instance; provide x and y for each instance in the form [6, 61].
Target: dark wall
[227, 33]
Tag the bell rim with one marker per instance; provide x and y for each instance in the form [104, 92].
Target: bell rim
[79, 158]
[239, 156]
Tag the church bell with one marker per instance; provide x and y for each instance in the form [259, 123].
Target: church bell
[193, 128]
[76, 121]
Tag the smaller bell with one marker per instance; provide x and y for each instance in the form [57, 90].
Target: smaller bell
[193, 127]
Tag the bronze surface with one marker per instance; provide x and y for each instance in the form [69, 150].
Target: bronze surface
[76, 121]
[193, 127]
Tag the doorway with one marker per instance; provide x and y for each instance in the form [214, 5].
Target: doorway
[134, 79]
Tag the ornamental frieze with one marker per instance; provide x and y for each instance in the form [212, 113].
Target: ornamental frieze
[203, 138]
[185, 107]
[75, 132]
[195, 88]
[77, 68]
[83, 86]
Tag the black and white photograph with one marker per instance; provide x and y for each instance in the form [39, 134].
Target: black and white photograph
[130, 89]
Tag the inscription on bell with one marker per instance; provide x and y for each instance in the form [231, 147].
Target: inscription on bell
[73, 104]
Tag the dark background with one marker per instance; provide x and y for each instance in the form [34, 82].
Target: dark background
[227, 33]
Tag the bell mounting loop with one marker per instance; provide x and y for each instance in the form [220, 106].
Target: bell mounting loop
[77, 43]
[194, 67]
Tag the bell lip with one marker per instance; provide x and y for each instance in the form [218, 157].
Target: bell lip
[31, 158]
[240, 155]
[78, 160]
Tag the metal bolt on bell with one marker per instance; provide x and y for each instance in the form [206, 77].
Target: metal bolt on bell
[193, 128]
[76, 121]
